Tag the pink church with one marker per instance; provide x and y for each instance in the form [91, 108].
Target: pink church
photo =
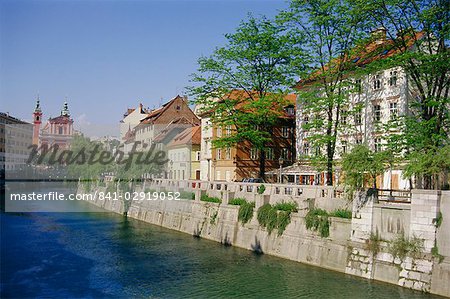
[56, 131]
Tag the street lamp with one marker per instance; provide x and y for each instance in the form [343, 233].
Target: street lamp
[281, 161]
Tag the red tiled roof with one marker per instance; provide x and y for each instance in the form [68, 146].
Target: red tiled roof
[154, 114]
[188, 136]
[62, 119]
[364, 55]
[243, 97]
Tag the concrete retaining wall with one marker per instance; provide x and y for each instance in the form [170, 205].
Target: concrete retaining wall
[345, 250]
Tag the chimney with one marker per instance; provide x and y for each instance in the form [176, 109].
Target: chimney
[379, 35]
[140, 108]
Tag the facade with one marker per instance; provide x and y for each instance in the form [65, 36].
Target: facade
[157, 127]
[131, 118]
[57, 130]
[158, 121]
[382, 96]
[184, 154]
[242, 160]
[16, 137]
[206, 149]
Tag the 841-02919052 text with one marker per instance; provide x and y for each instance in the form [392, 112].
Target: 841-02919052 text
[155, 195]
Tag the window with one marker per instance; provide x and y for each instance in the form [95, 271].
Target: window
[378, 146]
[344, 117]
[285, 153]
[393, 110]
[358, 140]
[344, 146]
[358, 85]
[197, 156]
[376, 82]
[377, 113]
[253, 153]
[393, 78]
[228, 153]
[317, 151]
[305, 120]
[358, 118]
[60, 130]
[290, 111]
[219, 131]
[219, 154]
[205, 150]
[306, 149]
[285, 132]
[228, 130]
[269, 153]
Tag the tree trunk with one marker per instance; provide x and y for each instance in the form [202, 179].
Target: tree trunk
[329, 176]
[262, 164]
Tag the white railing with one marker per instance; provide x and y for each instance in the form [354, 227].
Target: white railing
[307, 191]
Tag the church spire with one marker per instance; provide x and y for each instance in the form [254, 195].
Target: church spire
[38, 105]
[65, 110]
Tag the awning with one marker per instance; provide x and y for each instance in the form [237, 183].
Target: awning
[295, 169]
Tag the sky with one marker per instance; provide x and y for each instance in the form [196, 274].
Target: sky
[107, 56]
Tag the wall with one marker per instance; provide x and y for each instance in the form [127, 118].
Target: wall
[345, 250]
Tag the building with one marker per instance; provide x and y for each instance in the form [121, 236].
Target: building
[157, 121]
[131, 118]
[242, 160]
[382, 97]
[184, 154]
[157, 127]
[57, 131]
[16, 137]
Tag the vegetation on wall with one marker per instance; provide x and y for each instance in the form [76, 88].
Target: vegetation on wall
[317, 220]
[245, 209]
[206, 198]
[261, 189]
[276, 217]
[401, 246]
[373, 244]
[438, 220]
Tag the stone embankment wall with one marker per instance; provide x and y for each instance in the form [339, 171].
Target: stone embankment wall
[349, 246]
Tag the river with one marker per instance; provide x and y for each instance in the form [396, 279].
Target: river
[97, 255]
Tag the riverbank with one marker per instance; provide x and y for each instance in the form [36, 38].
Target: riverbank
[346, 249]
[99, 255]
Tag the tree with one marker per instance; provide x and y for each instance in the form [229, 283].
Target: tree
[419, 34]
[359, 163]
[327, 31]
[243, 84]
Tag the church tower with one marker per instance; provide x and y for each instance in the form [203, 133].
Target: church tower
[37, 120]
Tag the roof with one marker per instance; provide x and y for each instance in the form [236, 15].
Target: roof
[177, 124]
[190, 136]
[62, 119]
[243, 98]
[154, 114]
[375, 49]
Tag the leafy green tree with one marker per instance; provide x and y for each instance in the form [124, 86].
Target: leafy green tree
[83, 159]
[327, 31]
[243, 84]
[419, 34]
[361, 163]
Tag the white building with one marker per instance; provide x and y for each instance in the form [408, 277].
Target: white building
[382, 96]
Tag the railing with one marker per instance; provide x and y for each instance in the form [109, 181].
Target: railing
[306, 191]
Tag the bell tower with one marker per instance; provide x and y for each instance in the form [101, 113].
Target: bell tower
[37, 120]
